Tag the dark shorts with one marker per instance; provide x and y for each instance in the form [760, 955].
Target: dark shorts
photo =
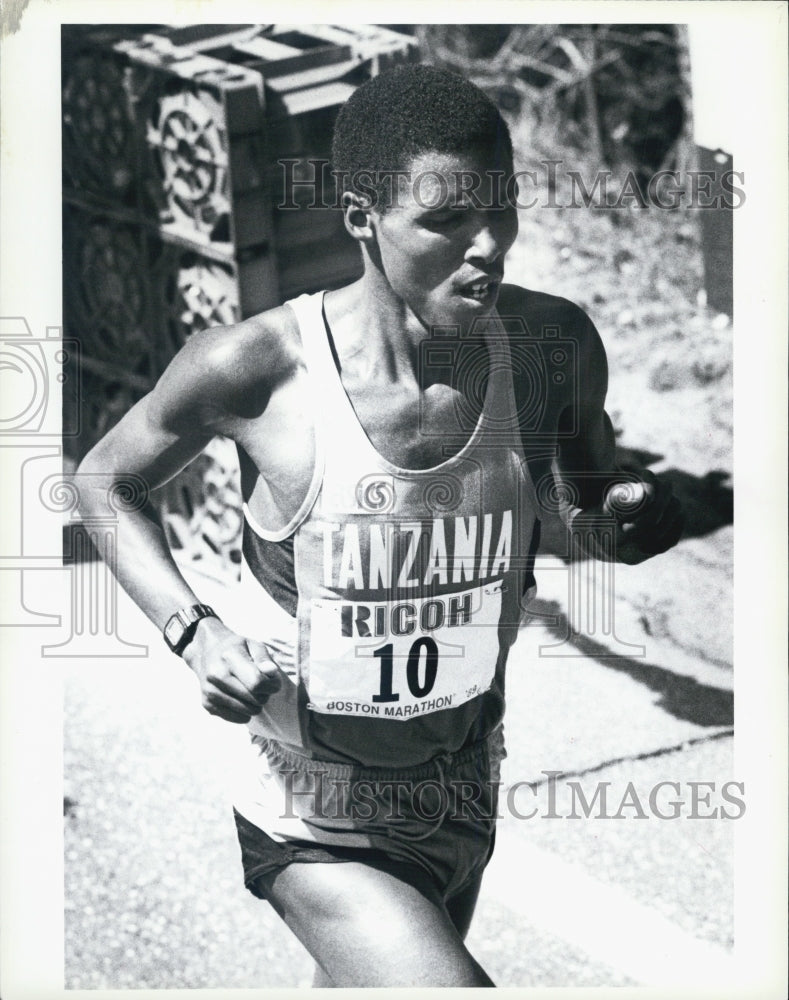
[437, 819]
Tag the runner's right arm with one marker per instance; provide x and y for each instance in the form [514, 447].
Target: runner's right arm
[195, 399]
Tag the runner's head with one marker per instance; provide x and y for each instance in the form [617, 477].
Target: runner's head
[405, 113]
[426, 160]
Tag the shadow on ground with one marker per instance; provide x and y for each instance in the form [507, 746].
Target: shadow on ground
[707, 500]
[683, 697]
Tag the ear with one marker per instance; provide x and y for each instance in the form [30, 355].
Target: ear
[357, 213]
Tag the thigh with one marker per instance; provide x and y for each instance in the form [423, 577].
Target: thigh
[368, 927]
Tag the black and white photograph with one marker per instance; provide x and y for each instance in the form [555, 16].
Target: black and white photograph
[394, 498]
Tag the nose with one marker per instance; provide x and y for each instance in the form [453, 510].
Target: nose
[493, 237]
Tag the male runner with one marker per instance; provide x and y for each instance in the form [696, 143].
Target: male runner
[390, 436]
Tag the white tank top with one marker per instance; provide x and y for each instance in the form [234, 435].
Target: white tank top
[410, 584]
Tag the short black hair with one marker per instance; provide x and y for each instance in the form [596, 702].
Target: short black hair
[411, 110]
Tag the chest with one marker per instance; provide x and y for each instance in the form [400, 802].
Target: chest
[410, 428]
[414, 428]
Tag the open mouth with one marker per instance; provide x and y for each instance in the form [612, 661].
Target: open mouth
[481, 291]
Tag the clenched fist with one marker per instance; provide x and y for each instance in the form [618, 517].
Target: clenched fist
[236, 675]
[646, 518]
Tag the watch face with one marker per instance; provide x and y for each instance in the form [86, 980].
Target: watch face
[173, 630]
[180, 628]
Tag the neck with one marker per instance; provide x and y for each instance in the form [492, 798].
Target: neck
[374, 331]
[376, 334]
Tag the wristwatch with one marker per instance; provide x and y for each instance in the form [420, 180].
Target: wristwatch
[181, 627]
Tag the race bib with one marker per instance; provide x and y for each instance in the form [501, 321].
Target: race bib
[398, 659]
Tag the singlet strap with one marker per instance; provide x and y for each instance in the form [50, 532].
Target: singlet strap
[337, 416]
[303, 307]
[308, 309]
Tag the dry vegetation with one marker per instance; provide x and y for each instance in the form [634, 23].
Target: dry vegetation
[597, 98]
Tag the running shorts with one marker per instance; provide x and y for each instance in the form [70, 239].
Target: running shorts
[439, 816]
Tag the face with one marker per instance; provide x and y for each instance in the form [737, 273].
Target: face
[441, 245]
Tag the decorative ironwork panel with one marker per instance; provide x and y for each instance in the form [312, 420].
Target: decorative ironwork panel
[201, 511]
[172, 222]
[103, 401]
[198, 294]
[107, 294]
[191, 156]
[99, 144]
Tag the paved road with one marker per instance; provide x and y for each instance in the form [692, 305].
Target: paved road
[153, 894]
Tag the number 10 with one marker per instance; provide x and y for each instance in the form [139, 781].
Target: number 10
[418, 690]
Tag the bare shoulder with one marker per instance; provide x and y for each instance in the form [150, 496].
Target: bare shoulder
[230, 372]
[542, 312]
[541, 309]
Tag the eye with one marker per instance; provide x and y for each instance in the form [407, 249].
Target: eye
[446, 218]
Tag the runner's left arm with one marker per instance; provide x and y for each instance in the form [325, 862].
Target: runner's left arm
[647, 518]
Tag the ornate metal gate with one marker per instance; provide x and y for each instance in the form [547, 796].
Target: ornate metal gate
[172, 146]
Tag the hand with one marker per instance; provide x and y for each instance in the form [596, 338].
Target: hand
[647, 517]
[236, 675]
